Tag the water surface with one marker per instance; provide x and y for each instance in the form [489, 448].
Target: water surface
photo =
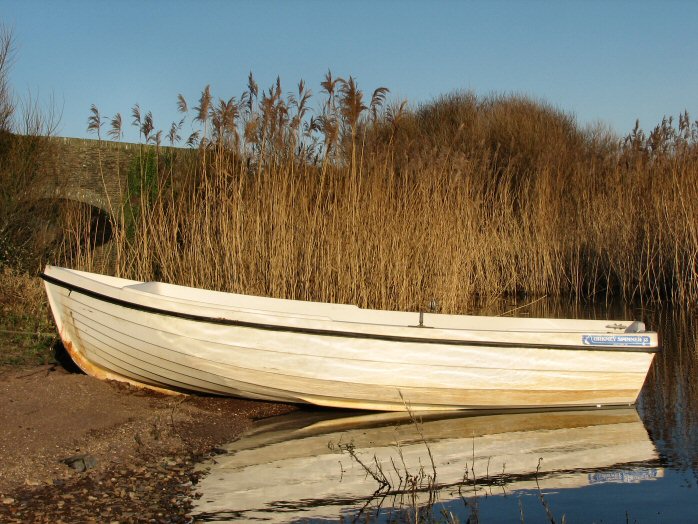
[612, 465]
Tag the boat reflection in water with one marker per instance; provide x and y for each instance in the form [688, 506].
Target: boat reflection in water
[324, 465]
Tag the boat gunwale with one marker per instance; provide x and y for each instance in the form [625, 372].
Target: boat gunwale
[334, 333]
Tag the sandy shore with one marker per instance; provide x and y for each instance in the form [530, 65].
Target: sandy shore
[139, 446]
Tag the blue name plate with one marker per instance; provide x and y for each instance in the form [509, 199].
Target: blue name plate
[639, 475]
[616, 340]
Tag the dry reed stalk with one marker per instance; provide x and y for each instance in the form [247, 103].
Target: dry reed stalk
[464, 201]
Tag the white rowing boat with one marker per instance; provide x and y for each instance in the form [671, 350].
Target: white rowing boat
[184, 339]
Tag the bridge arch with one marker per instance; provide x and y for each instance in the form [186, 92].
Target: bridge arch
[83, 195]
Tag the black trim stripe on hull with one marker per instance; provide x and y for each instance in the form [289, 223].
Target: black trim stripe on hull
[329, 332]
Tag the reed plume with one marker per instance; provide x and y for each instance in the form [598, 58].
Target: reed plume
[116, 132]
[94, 122]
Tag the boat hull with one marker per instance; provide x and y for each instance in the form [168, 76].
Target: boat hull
[114, 329]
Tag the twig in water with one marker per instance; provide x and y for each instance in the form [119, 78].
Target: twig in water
[546, 506]
[503, 481]
[523, 306]
[380, 479]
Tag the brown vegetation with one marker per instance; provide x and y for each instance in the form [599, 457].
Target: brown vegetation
[463, 200]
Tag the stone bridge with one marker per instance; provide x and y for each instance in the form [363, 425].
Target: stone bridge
[87, 171]
[91, 173]
[49, 180]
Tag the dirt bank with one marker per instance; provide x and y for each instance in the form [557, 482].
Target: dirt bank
[139, 447]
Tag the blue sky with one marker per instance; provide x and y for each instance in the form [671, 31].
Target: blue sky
[607, 61]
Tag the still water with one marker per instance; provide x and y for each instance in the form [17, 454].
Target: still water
[637, 464]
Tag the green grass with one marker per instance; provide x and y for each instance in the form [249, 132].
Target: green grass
[27, 333]
[26, 350]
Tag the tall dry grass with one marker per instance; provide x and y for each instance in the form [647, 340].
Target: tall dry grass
[463, 200]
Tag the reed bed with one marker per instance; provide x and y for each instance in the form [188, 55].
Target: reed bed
[461, 201]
